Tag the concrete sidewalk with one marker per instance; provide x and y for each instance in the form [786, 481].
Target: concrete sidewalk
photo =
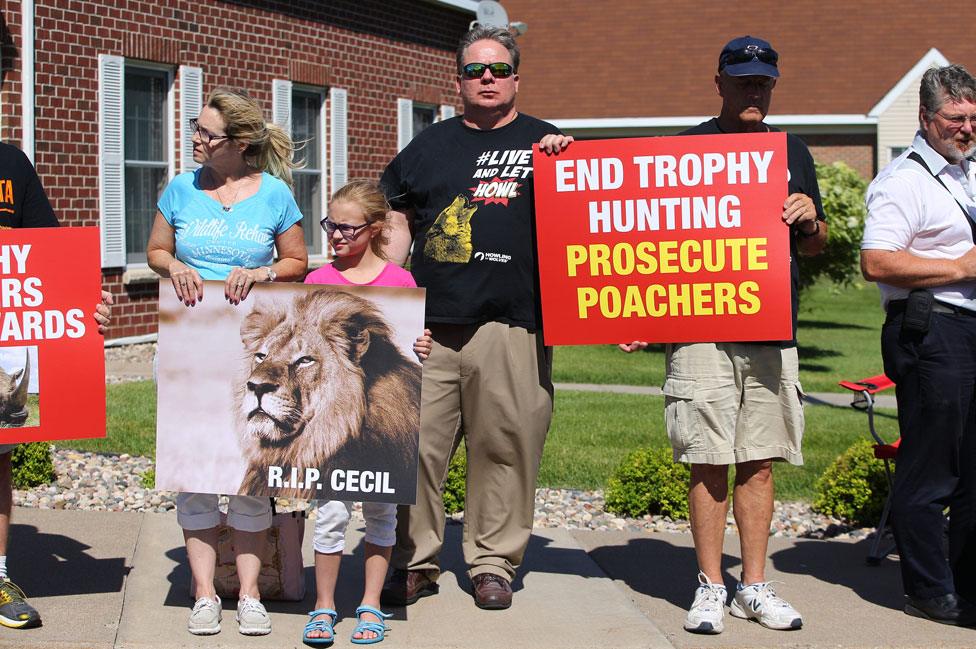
[119, 580]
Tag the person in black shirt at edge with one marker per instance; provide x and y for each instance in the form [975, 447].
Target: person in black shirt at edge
[23, 204]
[740, 403]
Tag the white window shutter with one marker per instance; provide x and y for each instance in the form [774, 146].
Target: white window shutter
[447, 111]
[111, 158]
[281, 103]
[404, 123]
[191, 103]
[339, 144]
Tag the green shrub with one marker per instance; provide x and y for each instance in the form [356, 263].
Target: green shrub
[854, 487]
[842, 190]
[649, 481]
[148, 478]
[454, 483]
[32, 465]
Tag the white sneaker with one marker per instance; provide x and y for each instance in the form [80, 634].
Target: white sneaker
[205, 617]
[758, 602]
[252, 619]
[708, 609]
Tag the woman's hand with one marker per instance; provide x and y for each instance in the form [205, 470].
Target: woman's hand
[187, 282]
[240, 281]
[423, 346]
[632, 347]
[102, 312]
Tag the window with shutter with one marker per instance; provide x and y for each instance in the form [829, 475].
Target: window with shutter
[191, 103]
[339, 145]
[310, 192]
[111, 187]
[146, 154]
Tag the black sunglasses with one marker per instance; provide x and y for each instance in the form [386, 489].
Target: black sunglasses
[477, 70]
[348, 232]
[205, 136]
[750, 53]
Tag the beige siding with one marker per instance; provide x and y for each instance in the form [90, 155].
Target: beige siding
[897, 125]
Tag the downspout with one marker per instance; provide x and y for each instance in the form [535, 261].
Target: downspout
[27, 77]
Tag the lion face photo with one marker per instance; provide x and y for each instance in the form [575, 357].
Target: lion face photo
[303, 391]
[325, 388]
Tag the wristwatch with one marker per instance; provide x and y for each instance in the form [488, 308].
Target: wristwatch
[272, 276]
[799, 231]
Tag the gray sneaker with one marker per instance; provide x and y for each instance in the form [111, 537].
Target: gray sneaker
[205, 617]
[252, 619]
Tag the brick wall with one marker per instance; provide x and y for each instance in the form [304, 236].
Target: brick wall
[378, 50]
[859, 151]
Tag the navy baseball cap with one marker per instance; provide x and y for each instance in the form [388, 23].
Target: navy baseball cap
[746, 56]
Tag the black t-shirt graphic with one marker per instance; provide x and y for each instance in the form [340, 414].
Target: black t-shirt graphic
[803, 180]
[23, 203]
[472, 196]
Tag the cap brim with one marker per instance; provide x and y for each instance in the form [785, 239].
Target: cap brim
[751, 69]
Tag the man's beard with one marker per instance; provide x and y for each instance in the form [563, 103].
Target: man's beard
[956, 155]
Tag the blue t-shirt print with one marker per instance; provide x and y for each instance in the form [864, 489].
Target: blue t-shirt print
[212, 241]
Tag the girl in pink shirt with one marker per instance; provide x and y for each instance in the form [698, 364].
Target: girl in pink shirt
[356, 230]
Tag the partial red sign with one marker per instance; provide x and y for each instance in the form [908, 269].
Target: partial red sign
[52, 359]
[666, 239]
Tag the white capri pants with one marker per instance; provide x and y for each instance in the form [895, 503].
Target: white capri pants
[332, 518]
[245, 513]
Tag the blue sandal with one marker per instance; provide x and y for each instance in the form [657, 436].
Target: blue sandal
[378, 628]
[320, 626]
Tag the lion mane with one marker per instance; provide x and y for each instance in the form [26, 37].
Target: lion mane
[325, 387]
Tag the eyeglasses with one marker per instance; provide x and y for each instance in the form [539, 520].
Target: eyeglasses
[958, 121]
[761, 82]
[205, 136]
[749, 53]
[477, 70]
[348, 232]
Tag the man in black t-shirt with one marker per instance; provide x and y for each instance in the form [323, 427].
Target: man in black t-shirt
[23, 204]
[462, 193]
[740, 403]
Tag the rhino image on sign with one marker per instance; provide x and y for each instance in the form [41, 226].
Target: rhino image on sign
[13, 394]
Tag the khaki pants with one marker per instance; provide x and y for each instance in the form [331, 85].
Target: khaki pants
[492, 384]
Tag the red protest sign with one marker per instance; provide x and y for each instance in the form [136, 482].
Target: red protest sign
[52, 360]
[668, 239]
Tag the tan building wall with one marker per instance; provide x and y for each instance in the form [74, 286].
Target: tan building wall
[897, 125]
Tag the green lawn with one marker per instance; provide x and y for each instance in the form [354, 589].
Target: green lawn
[131, 422]
[591, 433]
[839, 338]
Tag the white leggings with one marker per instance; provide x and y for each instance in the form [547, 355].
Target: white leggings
[245, 513]
[332, 518]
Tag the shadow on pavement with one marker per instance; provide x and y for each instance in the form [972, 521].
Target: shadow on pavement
[658, 568]
[50, 565]
[844, 564]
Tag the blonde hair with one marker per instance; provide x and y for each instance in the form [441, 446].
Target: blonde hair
[369, 198]
[269, 147]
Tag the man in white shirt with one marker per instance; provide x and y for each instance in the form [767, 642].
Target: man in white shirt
[919, 246]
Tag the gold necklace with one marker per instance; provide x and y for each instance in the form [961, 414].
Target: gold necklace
[227, 206]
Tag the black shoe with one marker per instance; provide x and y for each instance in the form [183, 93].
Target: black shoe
[944, 609]
[405, 587]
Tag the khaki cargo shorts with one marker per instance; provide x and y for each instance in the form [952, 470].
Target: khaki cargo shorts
[727, 403]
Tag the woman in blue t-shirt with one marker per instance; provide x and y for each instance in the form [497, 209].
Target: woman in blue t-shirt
[223, 222]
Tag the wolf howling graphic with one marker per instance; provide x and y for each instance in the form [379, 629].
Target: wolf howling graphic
[449, 238]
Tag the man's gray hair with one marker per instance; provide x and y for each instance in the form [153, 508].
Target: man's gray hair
[498, 34]
[952, 82]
